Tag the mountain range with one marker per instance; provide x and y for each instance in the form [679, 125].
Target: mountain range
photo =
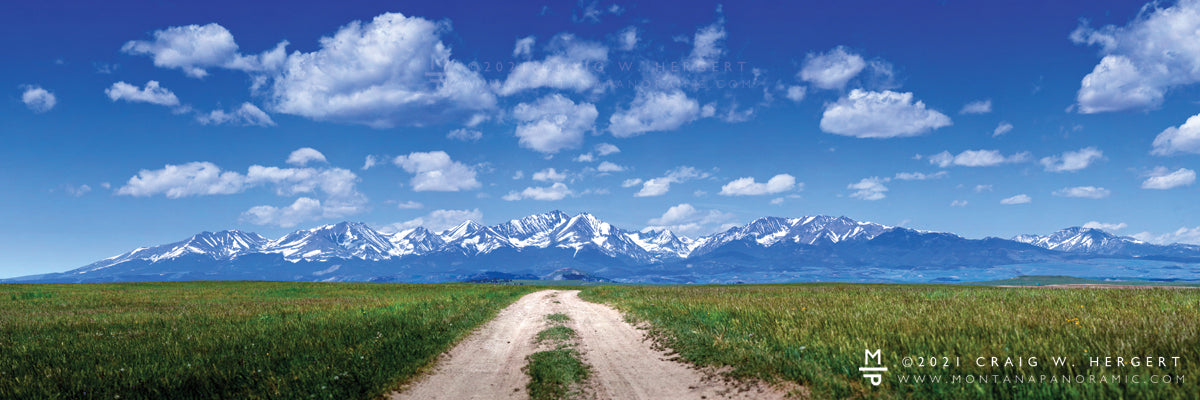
[556, 245]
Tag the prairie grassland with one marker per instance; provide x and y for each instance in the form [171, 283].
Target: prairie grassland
[815, 335]
[230, 339]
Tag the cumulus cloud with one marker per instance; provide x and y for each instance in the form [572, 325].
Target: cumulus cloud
[654, 111]
[369, 162]
[571, 65]
[1087, 192]
[305, 155]
[918, 176]
[393, 70]
[870, 189]
[958, 203]
[437, 220]
[748, 187]
[606, 166]
[409, 205]
[246, 115]
[1105, 226]
[1072, 161]
[553, 123]
[435, 171]
[707, 46]
[77, 191]
[604, 149]
[631, 182]
[152, 93]
[796, 93]
[1179, 139]
[557, 191]
[832, 69]
[341, 198]
[886, 114]
[687, 220]
[1018, 199]
[524, 47]
[37, 99]
[977, 158]
[1142, 60]
[466, 135]
[977, 107]
[1163, 178]
[661, 185]
[628, 38]
[1001, 129]
[1182, 235]
[549, 175]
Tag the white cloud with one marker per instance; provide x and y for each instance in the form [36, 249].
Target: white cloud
[1162, 178]
[524, 47]
[549, 175]
[554, 123]
[409, 205]
[983, 188]
[885, 114]
[958, 203]
[437, 220]
[466, 135]
[152, 93]
[777, 201]
[1153, 53]
[628, 38]
[191, 179]
[37, 99]
[977, 107]
[369, 162]
[654, 111]
[393, 70]
[918, 176]
[1072, 161]
[661, 185]
[305, 155]
[246, 115]
[684, 219]
[748, 187]
[831, 70]
[869, 189]
[518, 175]
[606, 166]
[631, 182]
[1018, 199]
[1001, 129]
[977, 158]
[1087, 192]
[193, 48]
[1105, 226]
[77, 191]
[605, 149]
[796, 93]
[585, 157]
[1181, 139]
[571, 65]
[707, 46]
[557, 191]
[435, 171]
[341, 198]
[1181, 235]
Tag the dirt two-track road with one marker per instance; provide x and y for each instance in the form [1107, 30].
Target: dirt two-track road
[488, 364]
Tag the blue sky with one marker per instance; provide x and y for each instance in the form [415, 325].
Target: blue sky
[129, 124]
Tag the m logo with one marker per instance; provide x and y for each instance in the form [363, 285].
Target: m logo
[875, 374]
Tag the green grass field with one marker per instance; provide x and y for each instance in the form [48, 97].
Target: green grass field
[815, 334]
[243, 340]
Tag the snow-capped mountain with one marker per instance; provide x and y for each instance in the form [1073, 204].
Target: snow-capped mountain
[1095, 241]
[765, 250]
[813, 230]
[343, 240]
[1080, 240]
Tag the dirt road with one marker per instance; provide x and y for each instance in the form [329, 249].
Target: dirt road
[487, 365]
